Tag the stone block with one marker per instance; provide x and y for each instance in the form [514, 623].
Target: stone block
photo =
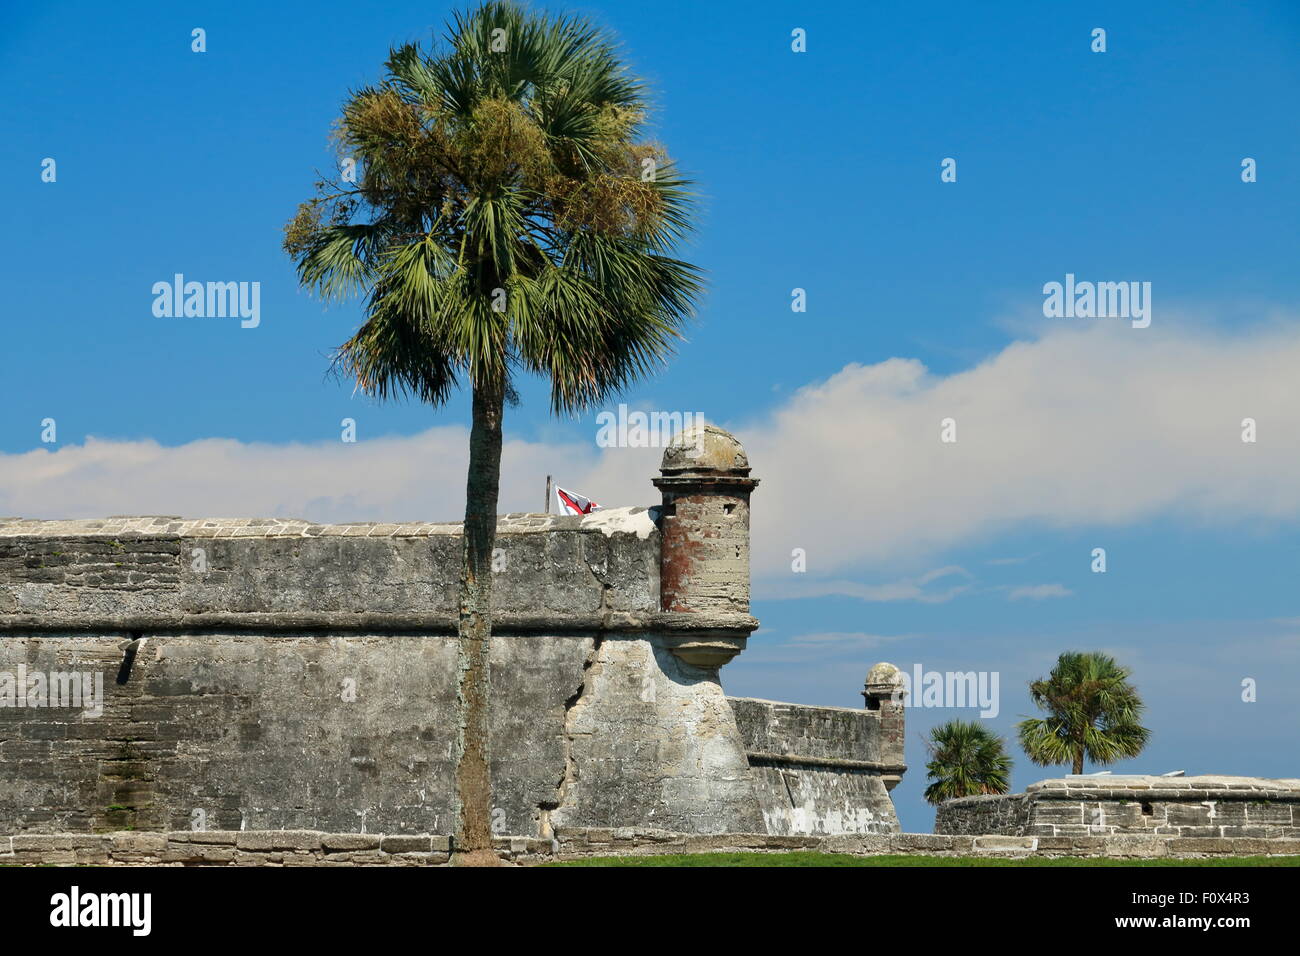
[1199, 846]
[406, 844]
[279, 840]
[922, 841]
[1054, 844]
[1269, 814]
[1134, 846]
[350, 841]
[1005, 843]
[1197, 832]
[1058, 812]
[1187, 814]
[137, 842]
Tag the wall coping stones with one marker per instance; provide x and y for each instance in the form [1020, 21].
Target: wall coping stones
[1151, 787]
[503, 622]
[314, 848]
[608, 521]
[980, 798]
[784, 703]
[350, 841]
[1145, 787]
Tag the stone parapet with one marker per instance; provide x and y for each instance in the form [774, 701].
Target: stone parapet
[158, 573]
[1114, 804]
[819, 770]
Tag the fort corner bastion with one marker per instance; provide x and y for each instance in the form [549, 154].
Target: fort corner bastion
[275, 674]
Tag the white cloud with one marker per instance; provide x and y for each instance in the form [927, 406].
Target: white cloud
[823, 646]
[904, 589]
[844, 640]
[1037, 592]
[1090, 425]
[421, 477]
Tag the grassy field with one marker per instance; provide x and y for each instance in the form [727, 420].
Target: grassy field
[810, 858]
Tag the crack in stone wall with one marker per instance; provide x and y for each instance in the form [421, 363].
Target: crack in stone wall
[566, 789]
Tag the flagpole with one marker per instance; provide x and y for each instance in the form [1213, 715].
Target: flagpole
[548, 494]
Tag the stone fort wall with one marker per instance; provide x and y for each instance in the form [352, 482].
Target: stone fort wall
[822, 770]
[1133, 805]
[281, 675]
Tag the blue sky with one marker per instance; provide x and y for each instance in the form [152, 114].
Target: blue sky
[817, 170]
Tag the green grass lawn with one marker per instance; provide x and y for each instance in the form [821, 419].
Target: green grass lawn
[811, 858]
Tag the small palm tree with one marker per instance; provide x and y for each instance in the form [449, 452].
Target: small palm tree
[966, 759]
[1093, 712]
[507, 218]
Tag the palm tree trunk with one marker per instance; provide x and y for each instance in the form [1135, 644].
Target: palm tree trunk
[1078, 760]
[473, 842]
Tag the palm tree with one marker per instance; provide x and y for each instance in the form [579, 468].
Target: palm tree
[1093, 711]
[966, 758]
[506, 218]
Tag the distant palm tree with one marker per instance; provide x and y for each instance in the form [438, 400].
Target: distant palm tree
[506, 217]
[966, 759]
[1093, 712]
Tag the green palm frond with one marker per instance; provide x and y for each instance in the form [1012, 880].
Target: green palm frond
[1093, 710]
[1046, 742]
[966, 759]
[507, 160]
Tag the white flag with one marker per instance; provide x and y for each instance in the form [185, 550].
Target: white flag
[572, 503]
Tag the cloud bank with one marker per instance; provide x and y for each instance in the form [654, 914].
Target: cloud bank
[1086, 425]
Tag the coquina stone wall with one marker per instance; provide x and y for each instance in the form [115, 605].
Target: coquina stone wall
[296, 676]
[1006, 813]
[269, 674]
[1188, 807]
[310, 848]
[823, 770]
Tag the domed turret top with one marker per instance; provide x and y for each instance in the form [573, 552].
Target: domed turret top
[884, 673]
[705, 449]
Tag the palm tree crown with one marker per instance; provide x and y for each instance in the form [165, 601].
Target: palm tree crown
[507, 215]
[1093, 712]
[966, 758]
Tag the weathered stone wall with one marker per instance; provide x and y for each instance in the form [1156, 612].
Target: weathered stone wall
[266, 674]
[302, 676]
[818, 770]
[311, 848]
[159, 573]
[1190, 807]
[1006, 813]
[644, 715]
[261, 732]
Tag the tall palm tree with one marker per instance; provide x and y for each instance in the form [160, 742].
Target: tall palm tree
[1093, 711]
[966, 758]
[507, 218]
